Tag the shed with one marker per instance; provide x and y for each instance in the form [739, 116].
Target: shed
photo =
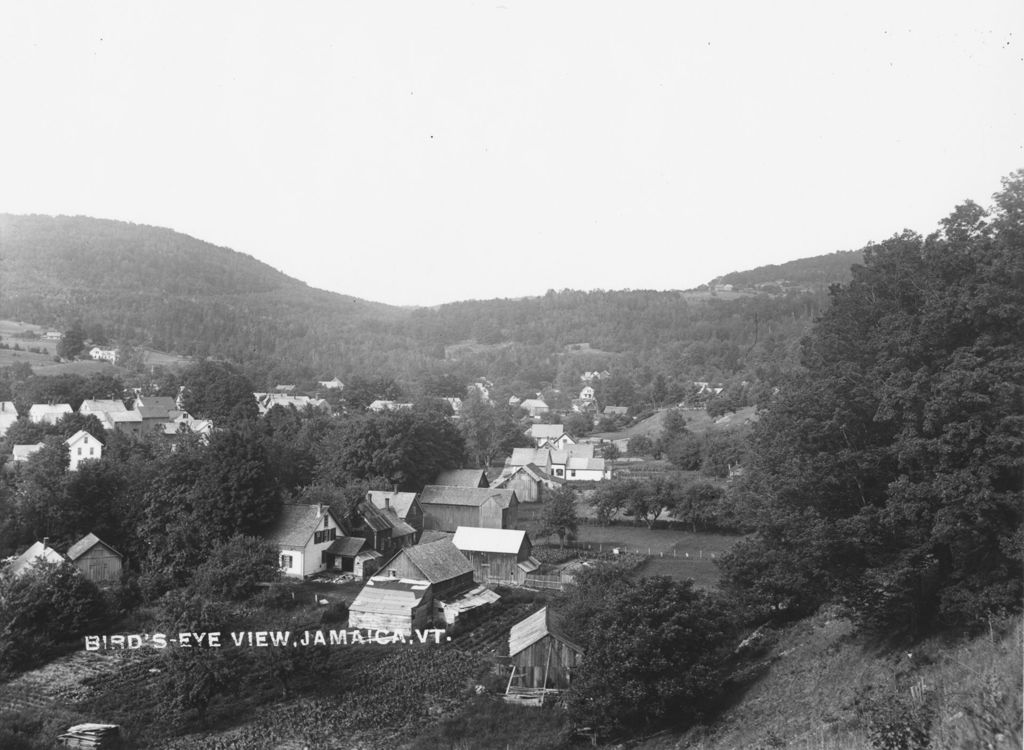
[98, 561]
[440, 563]
[497, 555]
[542, 656]
[399, 605]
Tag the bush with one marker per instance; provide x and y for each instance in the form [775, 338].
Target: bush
[334, 613]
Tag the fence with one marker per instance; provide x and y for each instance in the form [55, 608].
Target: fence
[544, 582]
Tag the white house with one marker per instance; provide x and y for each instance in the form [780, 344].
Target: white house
[332, 385]
[106, 355]
[550, 435]
[83, 447]
[303, 535]
[587, 393]
[534, 406]
[24, 452]
[585, 470]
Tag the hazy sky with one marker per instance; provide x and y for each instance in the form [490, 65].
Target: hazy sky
[424, 152]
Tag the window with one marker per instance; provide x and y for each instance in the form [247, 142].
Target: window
[286, 561]
[79, 451]
[392, 573]
[324, 535]
[326, 520]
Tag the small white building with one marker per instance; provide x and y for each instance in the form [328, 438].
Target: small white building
[8, 416]
[303, 535]
[82, 447]
[105, 355]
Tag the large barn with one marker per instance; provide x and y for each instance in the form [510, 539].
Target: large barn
[542, 656]
[448, 508]
[497, 555]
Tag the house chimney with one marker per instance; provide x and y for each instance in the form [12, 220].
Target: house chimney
[319, 509]
[387, 502]
[46, 541]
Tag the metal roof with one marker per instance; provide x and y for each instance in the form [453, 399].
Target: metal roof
[473, 539]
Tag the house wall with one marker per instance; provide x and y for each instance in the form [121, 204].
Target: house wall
[494, 567]
[100, 565]
[548, 653]
[584, 475]
[295, 570]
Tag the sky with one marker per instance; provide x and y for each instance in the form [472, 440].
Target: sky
[417, 153]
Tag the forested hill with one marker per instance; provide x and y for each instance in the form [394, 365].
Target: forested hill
[148, 285]
[805, 273]
[143, 285]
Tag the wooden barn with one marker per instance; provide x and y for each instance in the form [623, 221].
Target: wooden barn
[542, 657]
[98, 561]
[447, 508]
[397, 605]
[529, 481]
[497, 555]
[439, 563]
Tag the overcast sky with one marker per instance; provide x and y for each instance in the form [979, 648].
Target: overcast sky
[425, 152]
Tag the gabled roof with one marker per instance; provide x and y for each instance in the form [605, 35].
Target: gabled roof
[531, 470]
[399, 502]
[48, 412]
[585, 464]
[438, 561]
[616, 409]
[296, 524]
[128, 415]
[462, 478]
[85, 544]
[470, 496]
[382, 520]
[535, 627]
[532, 403]
[546, 431]
[523, 456]
[109, 405]
[37, 551]
[473, 539]
[80, 435]
[164, 403]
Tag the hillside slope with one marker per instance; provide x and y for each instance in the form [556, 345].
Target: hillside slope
[818, 685]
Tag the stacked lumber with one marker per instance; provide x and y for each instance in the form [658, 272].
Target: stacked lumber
[103, 736]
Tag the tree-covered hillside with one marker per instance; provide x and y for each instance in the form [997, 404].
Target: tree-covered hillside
[141, 285]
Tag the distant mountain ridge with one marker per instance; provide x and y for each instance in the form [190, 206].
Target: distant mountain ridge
[153, 286]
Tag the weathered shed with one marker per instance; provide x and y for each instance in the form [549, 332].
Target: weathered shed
[542, 656]
[447, 508]
[497, 555]
[97, 560]
[397, 605]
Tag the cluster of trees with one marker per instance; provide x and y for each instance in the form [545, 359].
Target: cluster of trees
[701, 504]
[887, 473]
[655, 650]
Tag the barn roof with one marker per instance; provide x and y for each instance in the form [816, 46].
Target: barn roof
[462, 478]
[296, 524]
[471, 496]
[536, 627]
[437, 561]
[473, 539]
[85, 544]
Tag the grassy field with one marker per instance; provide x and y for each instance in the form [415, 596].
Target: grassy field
[697, 421]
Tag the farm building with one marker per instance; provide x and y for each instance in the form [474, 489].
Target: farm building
[447, 508]
[530, 482]
[397, 605]
[439, 563]
[48, 413]
[304, 535]
[354, 555]
[38, 552]
[98, 561]
[497, 555]
[542, 657]
[402, 504]
[462, 478]
[585, 470]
